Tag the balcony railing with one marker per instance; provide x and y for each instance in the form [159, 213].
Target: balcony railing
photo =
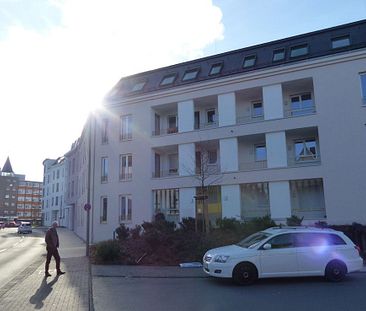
[303, 161]
[210, 169]
[248, 119]
[289, 113]
[165, 173]
[104, 179]
[165, 131]
[125, 176]
[252, 166]
[125, 136]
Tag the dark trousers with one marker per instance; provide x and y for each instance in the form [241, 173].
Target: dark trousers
[52, 251]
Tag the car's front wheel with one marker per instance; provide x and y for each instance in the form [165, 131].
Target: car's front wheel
[335, 271]
[245, 273]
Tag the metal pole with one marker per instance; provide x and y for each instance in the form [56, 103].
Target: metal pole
[88, 193]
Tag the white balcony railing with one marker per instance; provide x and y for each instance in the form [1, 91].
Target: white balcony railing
[252, 166]
[289, 113]
[303, 161]
[248, 119]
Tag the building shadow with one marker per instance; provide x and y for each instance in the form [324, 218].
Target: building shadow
[42, 292]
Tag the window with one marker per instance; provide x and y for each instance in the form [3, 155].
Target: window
[103, 210]
[282, 241]
[166, 201]
[138, 86]
[212, 156]
[196, 120]
[260, 153]
[190, 74]
[211, 116]
[173, 163]
[317, 239]
[126, 127]
[363, 88]
[172, 124]
[104, 166]
[340, 42]
[249, 61]
[302, 105]
[306, 150]
[56, 203]
[169, 79]
[125, 167]
[58, 174]
[257, 110]
[104, 131]
[278, 55]
[125, 208]
[299, 50]
[216, 69]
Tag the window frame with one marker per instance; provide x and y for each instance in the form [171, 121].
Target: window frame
[253, 115]
[165, 81]
[190, 71]
[277, 51]
[256, 146]
[299, 47]
[339, 39]
[215, 65]
[125, 127]
[301, 159]
[123, 176]
[104, 169]
[138, 86]
[251, 58]
[104, 137]
[104, 210]
[125, 215]
[363, 87]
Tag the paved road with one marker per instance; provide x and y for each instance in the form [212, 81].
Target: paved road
[132, 293]
[18, 251]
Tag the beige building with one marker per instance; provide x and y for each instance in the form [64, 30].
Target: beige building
[278, 129]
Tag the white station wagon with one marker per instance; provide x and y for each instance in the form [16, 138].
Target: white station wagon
[285, 252]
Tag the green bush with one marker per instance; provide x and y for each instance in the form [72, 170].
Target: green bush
[294, 221]
[107, 251]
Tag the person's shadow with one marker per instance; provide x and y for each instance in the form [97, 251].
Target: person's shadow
[42, 292]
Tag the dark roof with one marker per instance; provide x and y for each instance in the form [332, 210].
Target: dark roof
[319, 44]
[7, 167]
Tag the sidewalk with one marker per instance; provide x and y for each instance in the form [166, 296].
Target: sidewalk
[30, 290]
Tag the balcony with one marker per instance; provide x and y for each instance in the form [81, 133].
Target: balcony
[165, 162]
[252, 166]
[249, 106]
[165, 173]
[165, 119]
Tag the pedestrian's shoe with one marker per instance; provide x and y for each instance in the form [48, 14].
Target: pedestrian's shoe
[60, 272]
[47, 274]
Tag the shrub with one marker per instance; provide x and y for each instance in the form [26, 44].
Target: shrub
[294, 221]
[107, 251]
[122, 232]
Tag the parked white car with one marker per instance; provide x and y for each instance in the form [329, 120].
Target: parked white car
[285, 252]
[25, 227]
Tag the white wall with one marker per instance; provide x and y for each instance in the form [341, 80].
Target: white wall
[227, 111]
[230, 200]
[276, 149]
[187, 203]
[280, 200]
[185, 116]
[229, 154]
[272, 102]
[186, 155]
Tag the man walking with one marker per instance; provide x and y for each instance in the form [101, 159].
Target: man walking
[52, 245]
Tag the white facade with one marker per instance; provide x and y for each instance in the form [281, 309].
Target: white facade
[53, 206]
[278, 141]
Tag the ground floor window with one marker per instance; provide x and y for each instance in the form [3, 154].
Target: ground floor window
[254, 200]
[212, 197]
[125, 208]
[166, 201]
[307, 198]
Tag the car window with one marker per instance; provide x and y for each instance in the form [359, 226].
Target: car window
[253, 240]
[282, 241]
[318, 239]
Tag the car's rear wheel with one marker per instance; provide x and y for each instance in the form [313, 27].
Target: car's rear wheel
[335, 271]
[245, 273]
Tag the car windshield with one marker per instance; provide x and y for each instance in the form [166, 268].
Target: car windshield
[253, 240]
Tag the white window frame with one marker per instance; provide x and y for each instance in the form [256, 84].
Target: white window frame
[103, 211]
[104, 169]
[125, 170]
[363, 87]
[253, 109]
[125, 208]
[104, 131]
[255, 152]
[308, 156]
[126, 127]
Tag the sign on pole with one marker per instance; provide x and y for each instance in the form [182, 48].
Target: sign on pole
[87, 207]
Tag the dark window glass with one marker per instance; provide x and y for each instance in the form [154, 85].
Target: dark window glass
[190, 75]
[318, 239]
[299, 50]
[278, 55]
[249, 61]
[282, 241]
[340, 42]
[168, 80]
[216, 69]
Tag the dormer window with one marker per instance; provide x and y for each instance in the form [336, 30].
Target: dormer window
[299, 50]
[169, 79]
[138, 86]
[340, 42]
[190, 74]
[216, 69]
[249, 61]
[278, 55]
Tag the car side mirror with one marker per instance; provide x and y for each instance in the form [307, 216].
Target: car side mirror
[267, 246]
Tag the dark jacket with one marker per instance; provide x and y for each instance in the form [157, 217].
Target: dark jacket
[52, 238]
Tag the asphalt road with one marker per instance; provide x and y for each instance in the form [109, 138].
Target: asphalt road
[201, 293]
[17, 252]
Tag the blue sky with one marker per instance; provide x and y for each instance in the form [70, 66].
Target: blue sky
[58, 58]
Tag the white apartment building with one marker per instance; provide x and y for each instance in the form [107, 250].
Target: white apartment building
[53, 206]
[280, 126]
